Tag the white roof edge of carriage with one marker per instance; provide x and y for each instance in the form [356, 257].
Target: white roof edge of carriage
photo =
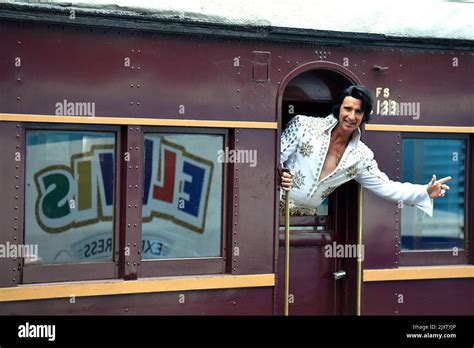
[404, 18]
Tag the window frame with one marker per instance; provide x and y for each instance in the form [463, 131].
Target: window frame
[47, 273]
[444, 257]
[198, 265]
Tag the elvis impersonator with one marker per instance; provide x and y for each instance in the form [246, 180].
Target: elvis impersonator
[324, 153]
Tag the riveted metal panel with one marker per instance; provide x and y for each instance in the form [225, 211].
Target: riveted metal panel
[132, 159]
[419, 297]
[255, 187]
[11, 205]
[252, 301]
[380, 227]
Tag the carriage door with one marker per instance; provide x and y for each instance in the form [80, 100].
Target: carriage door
[321, 282]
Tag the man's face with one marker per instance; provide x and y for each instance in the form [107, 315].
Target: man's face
[350, 114]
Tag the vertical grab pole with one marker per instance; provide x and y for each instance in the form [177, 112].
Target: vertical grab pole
[287, 250]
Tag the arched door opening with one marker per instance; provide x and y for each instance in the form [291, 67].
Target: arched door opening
[321, 283]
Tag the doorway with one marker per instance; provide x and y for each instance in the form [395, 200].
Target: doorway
[319, 284]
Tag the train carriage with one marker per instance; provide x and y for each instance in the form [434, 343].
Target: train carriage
[140, 150]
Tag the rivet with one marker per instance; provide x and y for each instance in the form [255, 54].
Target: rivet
[19, 42]
[138, 68]
[138, 103]
[18, 146]
[138, 86]
[139, 51]
[133, 51]
[14, 238]
[131, 86]
[128, 225]
[137, 129]
[16, 187]
[17, 126]
[238, 106]
[131, 103]
[17, 136]
[18, 79]
[14, 279]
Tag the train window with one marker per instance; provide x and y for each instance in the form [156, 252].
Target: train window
[446, 229]
[182, 198]
[69, 205]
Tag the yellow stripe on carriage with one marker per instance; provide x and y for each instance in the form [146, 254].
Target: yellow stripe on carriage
[137, 121]
[122, 287]
[419, 273]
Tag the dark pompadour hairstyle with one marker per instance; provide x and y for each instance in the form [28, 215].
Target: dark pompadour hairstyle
[357, 92]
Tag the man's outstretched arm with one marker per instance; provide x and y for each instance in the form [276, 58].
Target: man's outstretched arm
[420, 196]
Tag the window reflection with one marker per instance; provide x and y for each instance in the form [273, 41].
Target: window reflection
[182, 197]
[421, 159]
[69, 203]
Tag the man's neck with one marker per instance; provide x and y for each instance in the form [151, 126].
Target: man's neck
[338, 136]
